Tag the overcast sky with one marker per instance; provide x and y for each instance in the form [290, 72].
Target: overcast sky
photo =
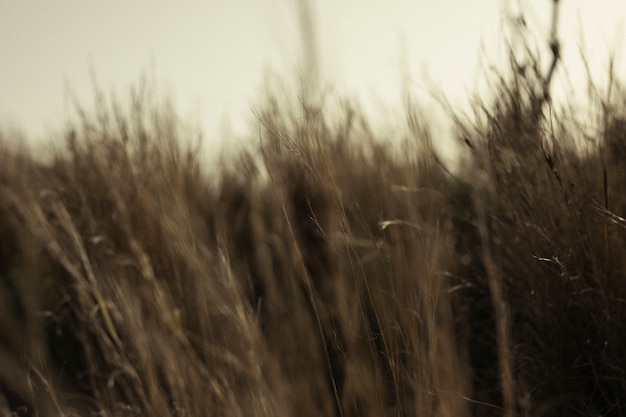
[211, 56]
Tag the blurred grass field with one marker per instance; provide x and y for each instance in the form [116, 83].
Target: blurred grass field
[324, 271]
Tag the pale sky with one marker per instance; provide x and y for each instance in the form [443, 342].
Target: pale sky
[211, 56]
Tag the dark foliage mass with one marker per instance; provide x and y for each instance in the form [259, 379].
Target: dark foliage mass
[324, 272]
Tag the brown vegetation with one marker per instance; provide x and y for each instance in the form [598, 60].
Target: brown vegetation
[325, 272]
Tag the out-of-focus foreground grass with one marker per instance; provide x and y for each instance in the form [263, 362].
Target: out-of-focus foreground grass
[326, 271]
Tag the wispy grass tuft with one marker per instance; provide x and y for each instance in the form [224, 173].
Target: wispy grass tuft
[323, 271]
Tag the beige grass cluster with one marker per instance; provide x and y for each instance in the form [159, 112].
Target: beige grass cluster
[325, 272]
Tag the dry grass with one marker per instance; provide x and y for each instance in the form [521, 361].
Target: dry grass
[325, 272]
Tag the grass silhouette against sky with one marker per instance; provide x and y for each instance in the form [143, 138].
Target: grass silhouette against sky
[321, 271]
